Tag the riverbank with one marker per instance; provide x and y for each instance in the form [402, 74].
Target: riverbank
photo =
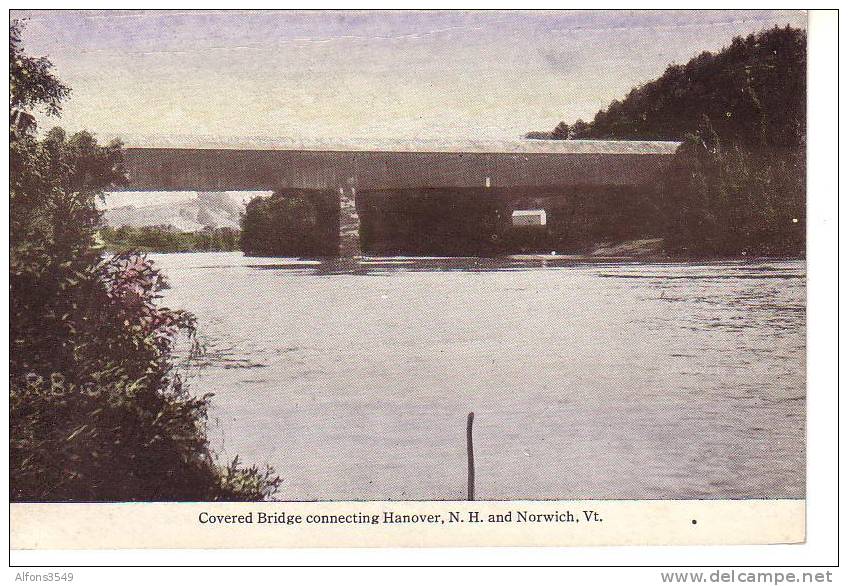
[645, 250]
[166, 239]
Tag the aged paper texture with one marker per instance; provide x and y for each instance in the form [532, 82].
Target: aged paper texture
[407, 278]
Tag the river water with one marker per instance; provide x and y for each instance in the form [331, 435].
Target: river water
[587, 380]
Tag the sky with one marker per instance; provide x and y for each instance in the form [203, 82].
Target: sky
[388, 74]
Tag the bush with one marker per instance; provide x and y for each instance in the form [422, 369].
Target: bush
[100, 414]
[117, 439]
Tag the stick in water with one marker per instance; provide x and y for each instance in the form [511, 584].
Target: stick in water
[470, 442]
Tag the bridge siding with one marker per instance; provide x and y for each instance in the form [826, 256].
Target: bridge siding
[165, 169]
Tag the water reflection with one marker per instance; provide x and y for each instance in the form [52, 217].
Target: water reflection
[372, 265]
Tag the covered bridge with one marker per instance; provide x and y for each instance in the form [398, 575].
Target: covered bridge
[379, 180]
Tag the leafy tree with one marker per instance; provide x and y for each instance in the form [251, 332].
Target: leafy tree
[32, 85]
[580, 130]
[96, 409]
[728, 200]
[561, 132]
[285, 224]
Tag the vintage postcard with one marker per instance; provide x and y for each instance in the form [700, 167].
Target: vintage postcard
[407, 278]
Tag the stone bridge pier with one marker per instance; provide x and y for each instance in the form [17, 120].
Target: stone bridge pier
[349, 224]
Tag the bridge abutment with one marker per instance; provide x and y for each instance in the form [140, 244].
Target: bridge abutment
[349, 224]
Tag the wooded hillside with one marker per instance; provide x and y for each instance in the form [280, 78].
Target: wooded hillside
[737, 185]
[753, 92]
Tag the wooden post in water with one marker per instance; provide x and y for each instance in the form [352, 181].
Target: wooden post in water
[470, 443]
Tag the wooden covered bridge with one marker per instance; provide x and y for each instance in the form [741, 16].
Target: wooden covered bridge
[364, 175]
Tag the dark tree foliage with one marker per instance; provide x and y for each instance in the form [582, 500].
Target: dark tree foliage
[753, 91]
[727, 200]
[32, 85]
[561, 132]
[737, 184]
[579, 130]
[96, 409]
[287, 223]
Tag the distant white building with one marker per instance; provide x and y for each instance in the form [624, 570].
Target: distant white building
[529, 218]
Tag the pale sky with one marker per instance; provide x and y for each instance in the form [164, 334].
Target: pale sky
[489, 75]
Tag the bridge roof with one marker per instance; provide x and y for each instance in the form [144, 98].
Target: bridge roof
[519, 146]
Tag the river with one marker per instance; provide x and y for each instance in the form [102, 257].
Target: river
[588, 380]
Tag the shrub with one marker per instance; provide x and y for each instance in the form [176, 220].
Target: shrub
[103, 416]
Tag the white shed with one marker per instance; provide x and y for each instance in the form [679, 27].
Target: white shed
[529, 218]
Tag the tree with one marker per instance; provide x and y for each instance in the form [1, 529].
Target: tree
[97, 411]
[726, 199]
[53, 186]
[737, 183]
[561, 132]
[761, 75]
[284, 224]
[580, 130]
[32, 85]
